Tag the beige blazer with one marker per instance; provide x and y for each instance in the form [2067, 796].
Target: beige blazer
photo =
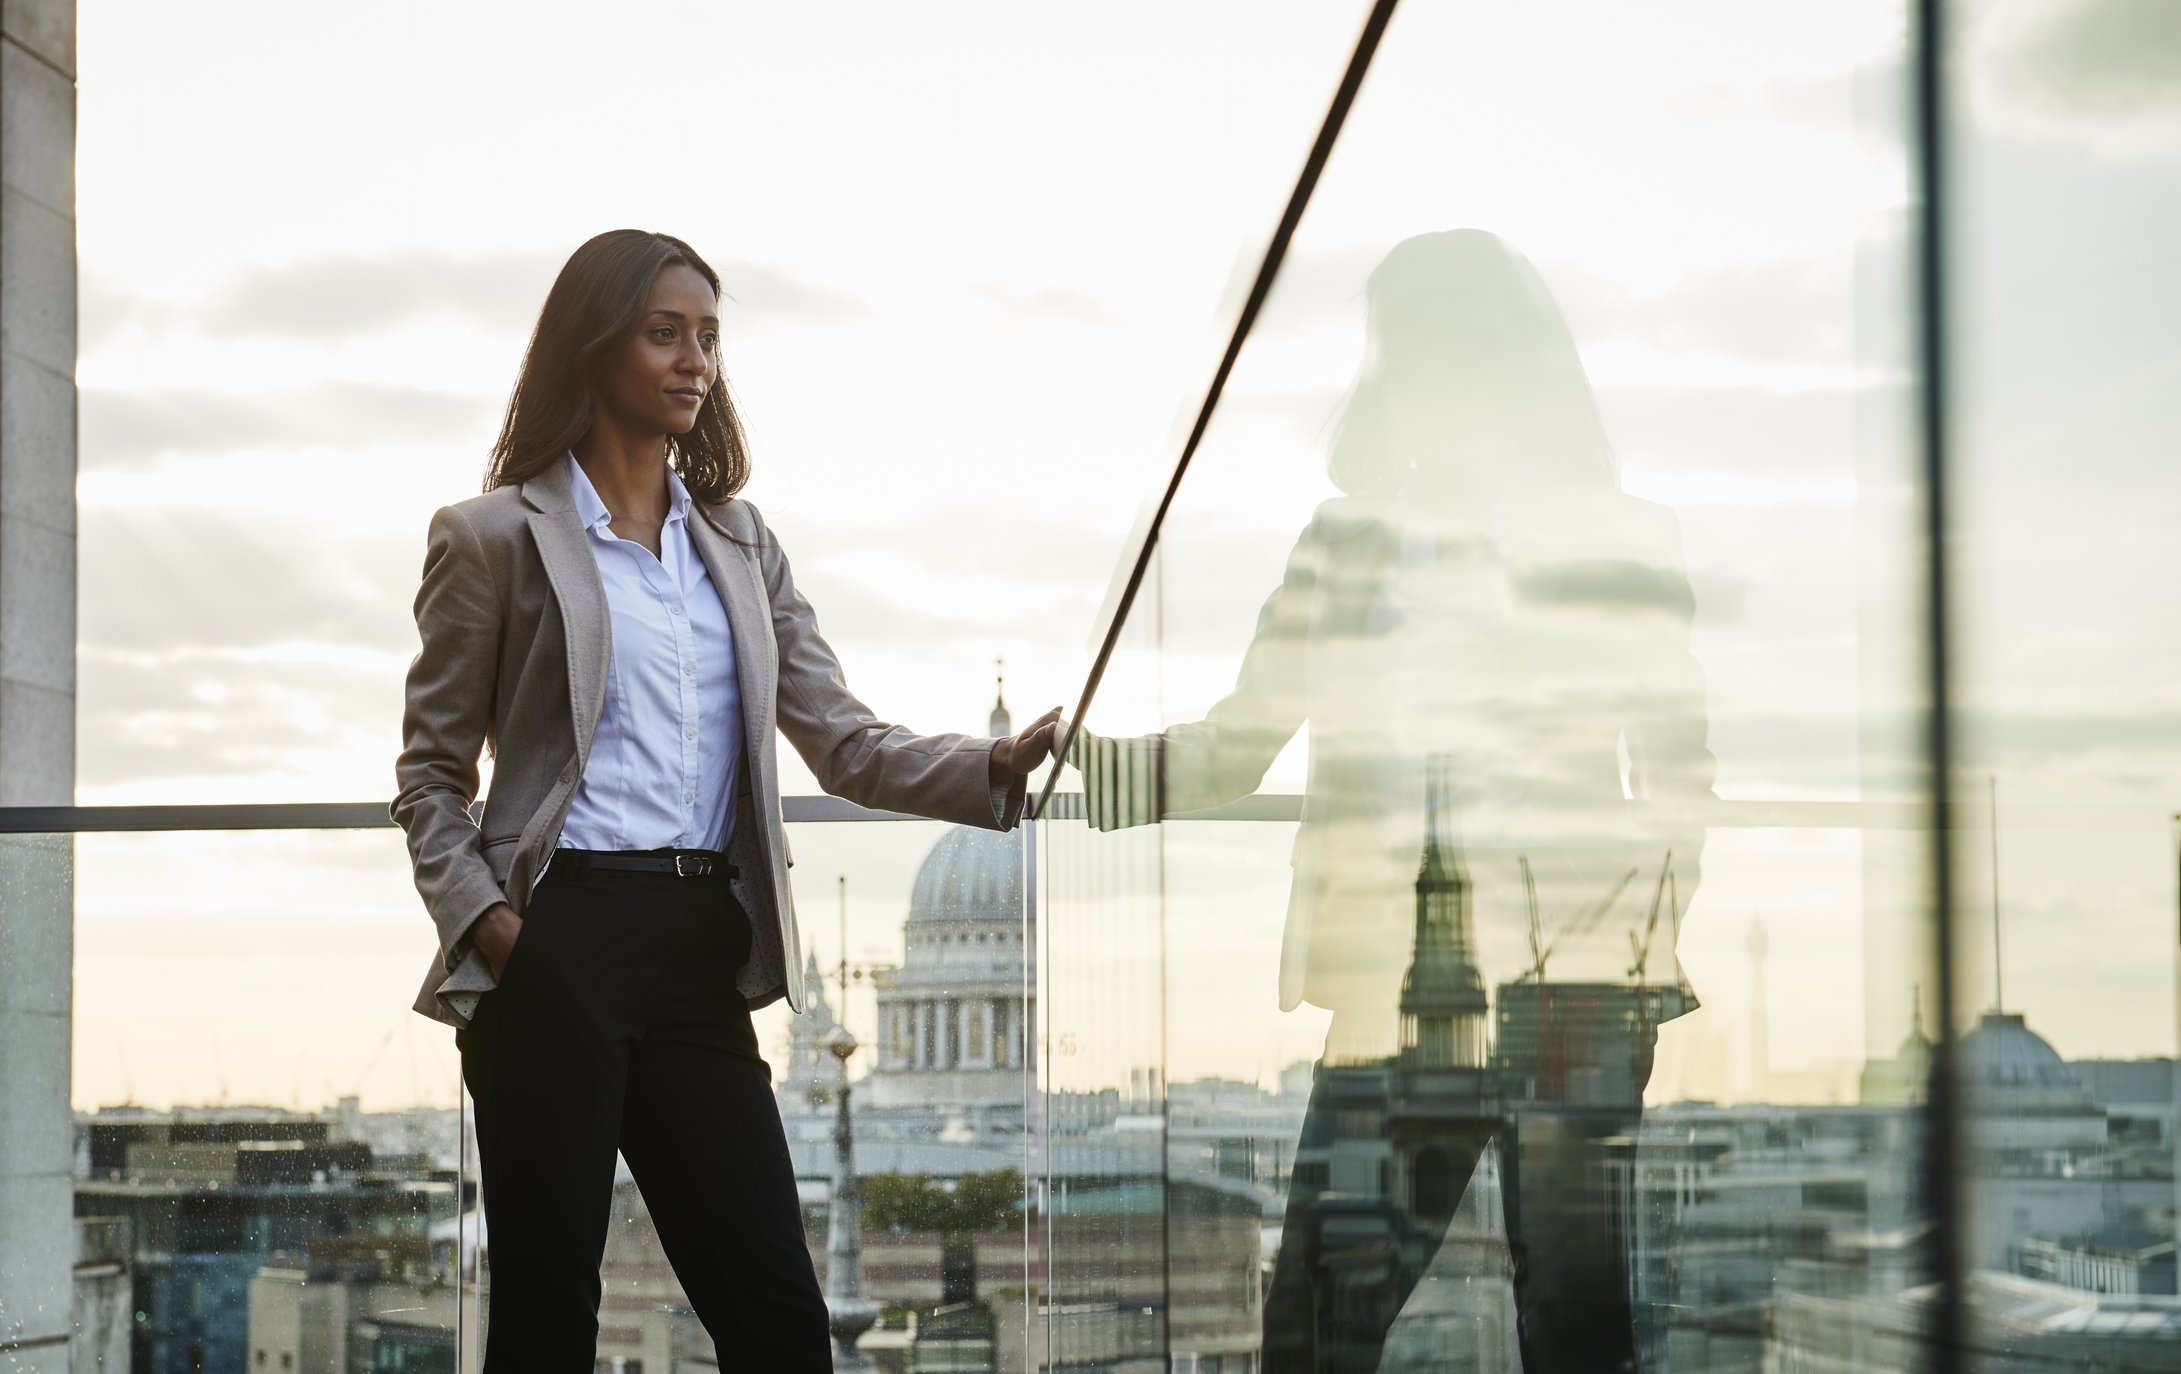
[515, 645]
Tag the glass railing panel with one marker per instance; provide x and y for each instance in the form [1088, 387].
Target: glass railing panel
[1539, 687]
[269, 1164]
[941, 1011]
[273, 1152]
[1106, 1230]
[2065, 498]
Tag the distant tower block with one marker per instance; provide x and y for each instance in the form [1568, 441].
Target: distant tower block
[1443, 1005]
[1760, 1014]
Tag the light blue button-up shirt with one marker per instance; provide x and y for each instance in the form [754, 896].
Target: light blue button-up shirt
[663, 765]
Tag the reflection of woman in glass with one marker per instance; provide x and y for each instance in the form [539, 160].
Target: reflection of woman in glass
[624, 636]
[1485, 615]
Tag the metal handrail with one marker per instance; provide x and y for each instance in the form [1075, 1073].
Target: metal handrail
[69, 820]
[1737, 814]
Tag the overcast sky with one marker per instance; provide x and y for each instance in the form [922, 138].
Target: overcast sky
[980, 258]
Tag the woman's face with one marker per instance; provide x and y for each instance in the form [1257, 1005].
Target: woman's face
[658, 383]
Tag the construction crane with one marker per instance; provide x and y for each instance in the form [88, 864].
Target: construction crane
[1641, 949]
[1550, 1072]
[1537, 930]
[1639, 968]
[1540, 951]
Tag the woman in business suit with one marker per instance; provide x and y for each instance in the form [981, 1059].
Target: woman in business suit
[623, 636]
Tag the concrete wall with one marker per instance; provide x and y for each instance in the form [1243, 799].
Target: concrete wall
[37, 671]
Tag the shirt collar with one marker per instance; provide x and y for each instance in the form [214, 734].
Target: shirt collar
[591, 509]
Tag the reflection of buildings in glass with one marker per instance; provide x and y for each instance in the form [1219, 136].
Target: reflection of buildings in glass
[1792, 1238]
[2020, 1326]
[1579, 1044]
[218, 1200]
[1444, 1098]
[1587, 1044]
[1390, 1145]
[2040, 1152]
[372, 1302]
[1901, 1079]
[1461, 1317]
[1729, 1207]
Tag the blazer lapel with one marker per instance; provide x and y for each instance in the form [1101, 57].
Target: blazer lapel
[565, 551]
[734, 572]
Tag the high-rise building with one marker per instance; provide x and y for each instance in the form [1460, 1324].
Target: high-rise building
[212, 1197]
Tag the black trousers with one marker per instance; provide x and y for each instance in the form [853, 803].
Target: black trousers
[616, 1026]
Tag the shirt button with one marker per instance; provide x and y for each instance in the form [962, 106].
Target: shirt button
[689, 734]
[688, 797]
[675, 609]
[689, 670]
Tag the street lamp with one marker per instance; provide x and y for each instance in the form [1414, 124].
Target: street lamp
[849, 1314]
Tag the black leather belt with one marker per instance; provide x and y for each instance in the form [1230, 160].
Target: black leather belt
[679, 863]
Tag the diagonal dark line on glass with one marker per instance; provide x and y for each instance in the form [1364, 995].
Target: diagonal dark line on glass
[1351, 81]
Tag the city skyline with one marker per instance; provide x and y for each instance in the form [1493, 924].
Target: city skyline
[1739, 329]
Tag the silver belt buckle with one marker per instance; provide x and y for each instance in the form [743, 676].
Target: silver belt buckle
[702, 867]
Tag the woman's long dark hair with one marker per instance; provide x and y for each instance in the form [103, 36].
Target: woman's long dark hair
[597, 302]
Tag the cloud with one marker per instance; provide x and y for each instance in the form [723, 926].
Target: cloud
[2099, 60]
[235, 654]
[1317, 289]
[334, 297]
[1610, 586]
[1872, 94]
[1796, 310]
[2030, 739]
[773, 296]
[1789, 310]
[1049, 304]
[128, 429]
[1734, 429]
[2106, 73]
[294, 720]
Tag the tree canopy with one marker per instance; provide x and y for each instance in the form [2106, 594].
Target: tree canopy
[918, 1202]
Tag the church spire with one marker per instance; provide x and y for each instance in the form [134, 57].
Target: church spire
[1916, 1039]
[1442, 997]
[1002, 723]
